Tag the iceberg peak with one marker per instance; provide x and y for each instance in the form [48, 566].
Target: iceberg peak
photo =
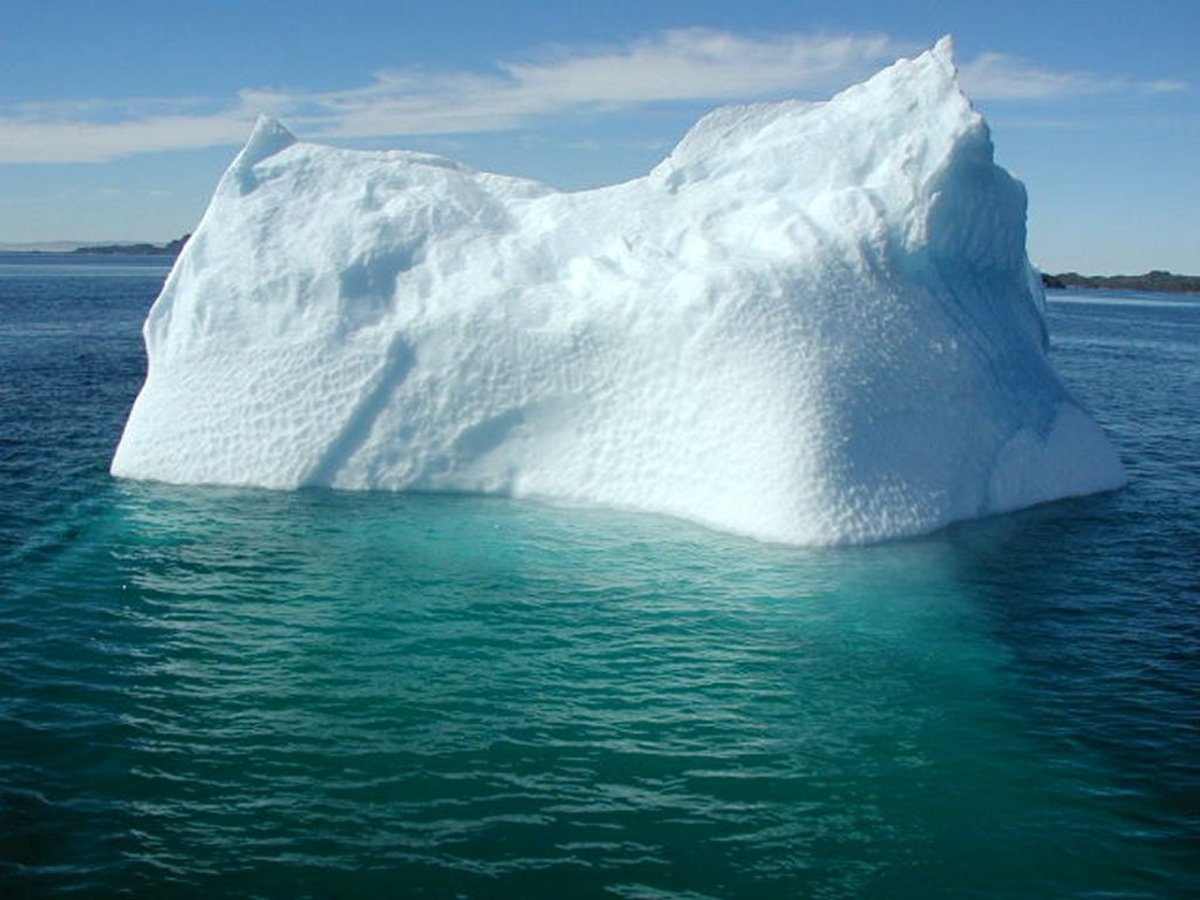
[269, 137]
[812, 323]
[943, 51]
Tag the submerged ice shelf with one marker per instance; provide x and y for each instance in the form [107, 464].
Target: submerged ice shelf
[811, 323]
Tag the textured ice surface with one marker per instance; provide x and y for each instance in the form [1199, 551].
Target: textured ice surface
[811, 323]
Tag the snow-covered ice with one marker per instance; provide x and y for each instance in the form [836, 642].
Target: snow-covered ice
[812, 323]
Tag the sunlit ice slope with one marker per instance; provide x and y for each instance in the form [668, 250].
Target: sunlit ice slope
[812, 323]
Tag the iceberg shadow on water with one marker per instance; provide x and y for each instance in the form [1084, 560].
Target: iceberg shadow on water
[812, 323]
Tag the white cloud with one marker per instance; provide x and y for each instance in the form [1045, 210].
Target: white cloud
[997, 76]
[679, 65]
[692, 64]
[1165, 86]
[23, 140]
[686, 64]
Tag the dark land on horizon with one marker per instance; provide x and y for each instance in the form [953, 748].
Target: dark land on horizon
[171, 248]
[1155, 281]
[1158, 281]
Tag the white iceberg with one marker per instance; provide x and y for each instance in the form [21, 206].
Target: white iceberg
[812, 323]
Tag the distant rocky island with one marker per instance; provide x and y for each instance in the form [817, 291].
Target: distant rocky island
[1152, 281]
[171, 248]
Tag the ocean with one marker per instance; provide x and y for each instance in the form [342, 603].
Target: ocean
[217, 691]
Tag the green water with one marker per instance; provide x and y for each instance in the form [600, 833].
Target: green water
[324, 694]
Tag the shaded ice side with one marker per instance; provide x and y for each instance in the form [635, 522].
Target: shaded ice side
[811, 323]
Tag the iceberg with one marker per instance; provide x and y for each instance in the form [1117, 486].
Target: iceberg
[812, 323]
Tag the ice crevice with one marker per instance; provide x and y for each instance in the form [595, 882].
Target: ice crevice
[812, 323]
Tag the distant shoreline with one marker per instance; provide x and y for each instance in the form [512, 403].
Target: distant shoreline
[1158, 282]
[171, 248]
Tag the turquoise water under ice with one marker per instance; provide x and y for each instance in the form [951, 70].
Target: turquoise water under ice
[210, 690]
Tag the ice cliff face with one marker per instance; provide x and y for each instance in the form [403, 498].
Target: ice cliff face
[811, 323]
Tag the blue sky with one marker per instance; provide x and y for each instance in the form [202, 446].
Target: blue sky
[116, 119]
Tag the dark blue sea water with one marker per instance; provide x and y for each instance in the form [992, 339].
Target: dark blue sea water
[214, 691]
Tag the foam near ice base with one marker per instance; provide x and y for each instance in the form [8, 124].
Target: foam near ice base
[811, 323]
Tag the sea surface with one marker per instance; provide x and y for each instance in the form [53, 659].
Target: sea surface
[209, 692]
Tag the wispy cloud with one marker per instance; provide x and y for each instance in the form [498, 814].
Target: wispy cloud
[997, 76]
[1165, 86]
[35, 140]
[679, 65]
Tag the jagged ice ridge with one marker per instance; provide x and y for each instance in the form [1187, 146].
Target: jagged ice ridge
[811, 323]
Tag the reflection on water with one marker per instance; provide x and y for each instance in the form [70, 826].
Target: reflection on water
[494, 696]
